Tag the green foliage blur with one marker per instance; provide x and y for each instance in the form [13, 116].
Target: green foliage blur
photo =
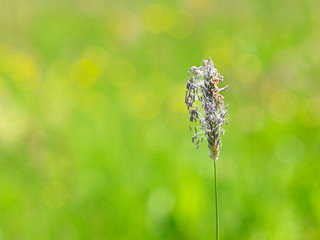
[94, 136]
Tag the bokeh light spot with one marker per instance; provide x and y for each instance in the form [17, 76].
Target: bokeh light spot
[125, 25]
[183, 25]
[86, 71]
[158, 18]
[22, 70]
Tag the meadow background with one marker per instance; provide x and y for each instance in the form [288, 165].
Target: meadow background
[94, 139]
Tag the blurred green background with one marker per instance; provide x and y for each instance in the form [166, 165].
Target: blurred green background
[94, 138]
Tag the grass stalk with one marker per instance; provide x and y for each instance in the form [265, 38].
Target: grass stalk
[216, 199]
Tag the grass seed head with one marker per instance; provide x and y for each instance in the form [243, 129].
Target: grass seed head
[206, 107]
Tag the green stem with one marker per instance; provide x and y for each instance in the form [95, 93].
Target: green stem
[216, 197]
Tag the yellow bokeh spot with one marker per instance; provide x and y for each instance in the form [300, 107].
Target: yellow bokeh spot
[98, 55]
[86, 71]
[183, 25]
[125, 25]
[22, 69]
[158, 18]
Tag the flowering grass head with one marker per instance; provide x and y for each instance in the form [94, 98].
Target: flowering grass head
[206, 107]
